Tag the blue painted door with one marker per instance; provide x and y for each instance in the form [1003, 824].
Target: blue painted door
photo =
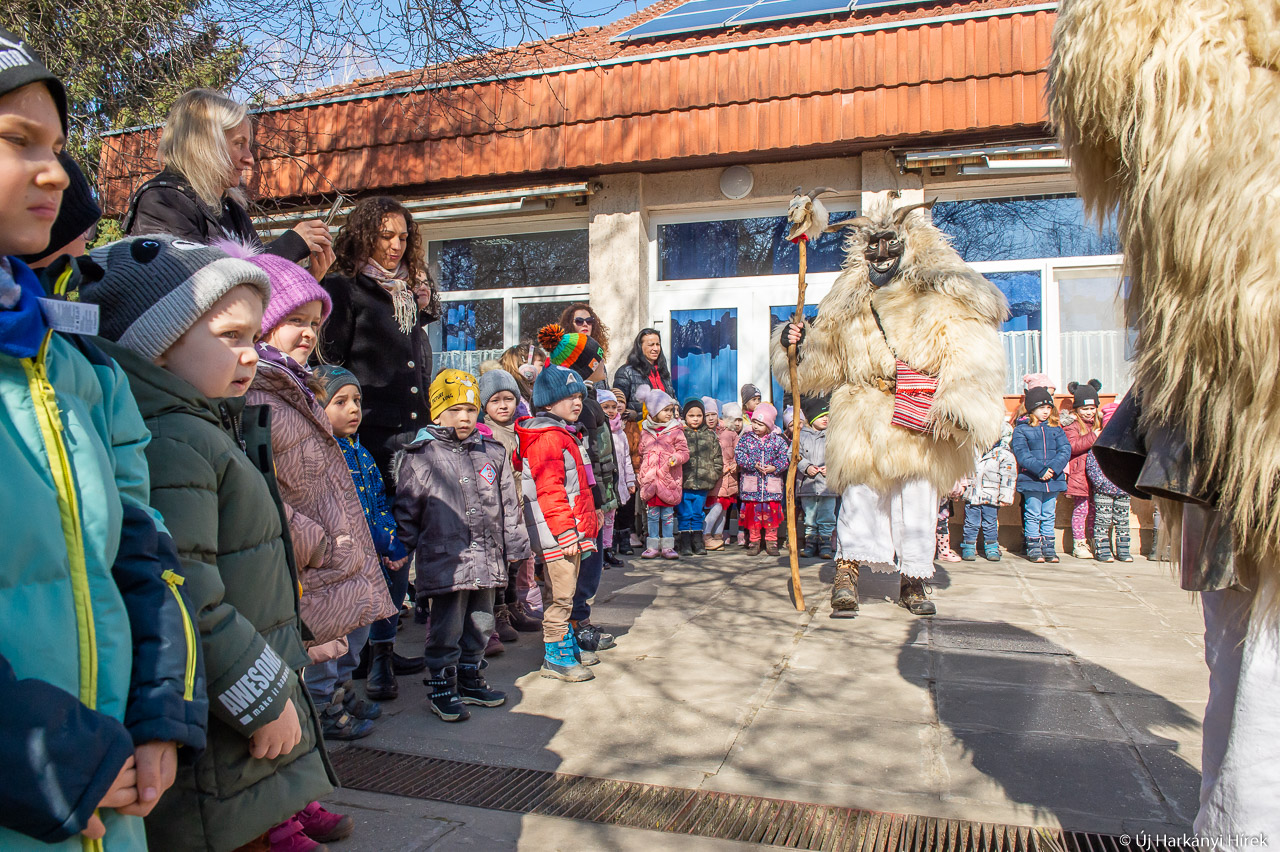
[704, 354]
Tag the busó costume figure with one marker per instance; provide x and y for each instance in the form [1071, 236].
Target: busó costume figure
[1169, 117]
[906, 343]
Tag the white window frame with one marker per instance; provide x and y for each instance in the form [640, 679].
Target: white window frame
[511, 297]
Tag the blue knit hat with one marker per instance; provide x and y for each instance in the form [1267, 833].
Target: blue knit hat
[555, 383]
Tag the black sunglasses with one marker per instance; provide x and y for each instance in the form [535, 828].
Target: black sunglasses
[582, 320]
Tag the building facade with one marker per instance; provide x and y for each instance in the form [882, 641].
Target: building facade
[651, 176]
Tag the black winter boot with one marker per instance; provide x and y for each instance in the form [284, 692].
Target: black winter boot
[684, 543]
[592, 638]
[698, 542]
[381, 684]
[473, 689]
[444, 698]
[407, 665]
[844, 594]
[611, 560]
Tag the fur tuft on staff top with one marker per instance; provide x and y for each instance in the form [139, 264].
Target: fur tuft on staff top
[807, 214]
[1170, 123]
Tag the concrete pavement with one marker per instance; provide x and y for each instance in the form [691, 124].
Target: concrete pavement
[1063, 695]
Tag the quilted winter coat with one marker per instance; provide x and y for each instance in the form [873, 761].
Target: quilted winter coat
[558, 507]
[212, 481]
[659, 444]
[457, 511]
[1077, 480]
[706, 461]
[813, 451]
[753, 453]
[342, 583]
[728, 484]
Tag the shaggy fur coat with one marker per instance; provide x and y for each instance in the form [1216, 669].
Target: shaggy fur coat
[942, 319]
[1170, 119]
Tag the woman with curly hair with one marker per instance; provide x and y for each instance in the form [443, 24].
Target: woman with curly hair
[579, 317]
[383, 300]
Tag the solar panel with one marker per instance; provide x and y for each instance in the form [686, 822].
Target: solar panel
[782, 10]
[672, 24]
[698, 15]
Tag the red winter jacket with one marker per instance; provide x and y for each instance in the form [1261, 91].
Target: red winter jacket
[1077, 482]
[556, 483]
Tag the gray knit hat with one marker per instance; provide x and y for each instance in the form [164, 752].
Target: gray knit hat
[334, 379]
[156, 287]
[497, 380]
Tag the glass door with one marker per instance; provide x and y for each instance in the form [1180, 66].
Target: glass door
[704, 353]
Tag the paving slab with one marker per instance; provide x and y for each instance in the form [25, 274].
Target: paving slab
[1053, 695]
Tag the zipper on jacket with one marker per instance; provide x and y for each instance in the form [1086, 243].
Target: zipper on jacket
[189, 684]
[50, 420]
[233, 425]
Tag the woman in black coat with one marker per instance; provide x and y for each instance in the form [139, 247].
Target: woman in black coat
[205, 151]
[646, 365]
[383, 300]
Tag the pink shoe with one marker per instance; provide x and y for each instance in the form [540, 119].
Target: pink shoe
[288, 836]
[324, 826]
[495, 646]
[650, 553]
[670, 553]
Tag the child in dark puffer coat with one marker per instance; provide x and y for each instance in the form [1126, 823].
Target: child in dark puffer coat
[701, 474]
[1043, 452]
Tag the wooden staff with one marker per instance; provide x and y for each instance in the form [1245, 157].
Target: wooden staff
[793, 551]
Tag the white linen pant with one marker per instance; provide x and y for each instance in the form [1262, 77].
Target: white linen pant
[1240, 762]
[873, 526]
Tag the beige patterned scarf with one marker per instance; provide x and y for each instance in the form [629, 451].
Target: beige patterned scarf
[397, 285]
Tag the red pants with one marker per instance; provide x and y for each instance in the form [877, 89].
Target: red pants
[761, 516]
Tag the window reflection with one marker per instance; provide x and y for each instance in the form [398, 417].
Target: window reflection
[473, 325]
[737, 248]
[1037, 226]
[515, 260]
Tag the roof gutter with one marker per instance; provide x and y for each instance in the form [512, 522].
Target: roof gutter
[644, 57]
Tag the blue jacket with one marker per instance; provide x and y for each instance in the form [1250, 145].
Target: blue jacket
[1037, 449]
[373, 498]
[97, 651]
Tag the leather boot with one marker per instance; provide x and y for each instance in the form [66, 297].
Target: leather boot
[502, 622]
[698, 543]
[381, 684]
[911, 595]
[684, 543]
[844, 594]
[521, 620]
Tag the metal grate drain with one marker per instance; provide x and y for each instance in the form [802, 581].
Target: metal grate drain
[725, 816]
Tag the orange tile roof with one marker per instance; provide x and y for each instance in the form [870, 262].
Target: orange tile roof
[731, 99]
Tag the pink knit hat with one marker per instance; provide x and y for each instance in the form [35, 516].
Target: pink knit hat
[1037, 380]
[291, 285]
[766, 414]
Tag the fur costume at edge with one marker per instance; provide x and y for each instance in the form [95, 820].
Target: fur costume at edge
[904, 308]
[1169, 117]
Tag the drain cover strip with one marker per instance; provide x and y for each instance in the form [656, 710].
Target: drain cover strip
[703, 813]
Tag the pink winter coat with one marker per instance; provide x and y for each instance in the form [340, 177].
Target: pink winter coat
[660, 480]
[728, 485]
[342, 583]
[1077, 482]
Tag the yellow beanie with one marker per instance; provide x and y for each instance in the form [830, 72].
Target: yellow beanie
[453, 387]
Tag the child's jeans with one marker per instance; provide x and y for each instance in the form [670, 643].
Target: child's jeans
[1110, 512]
[461, 623]
[689, 516]
[760, 517]
[819, 515]
[661, 525]
[981, 517]
[606, 537]
[323, 678]
[1038, 514]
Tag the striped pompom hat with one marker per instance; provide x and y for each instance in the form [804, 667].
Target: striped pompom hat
[578, 352]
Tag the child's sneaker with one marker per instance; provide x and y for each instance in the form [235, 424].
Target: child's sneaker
[324, 826]
[1047, 547]
[969, 551]
[559, 662]
[587, 658]
[337, 724]
[473, 689]
[715, 542]
[356, 704]
[826, 551]
[1033, 553]
[592, 638]
[991, 552]
[1081, 551]
[288, 836]
[444, 699]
